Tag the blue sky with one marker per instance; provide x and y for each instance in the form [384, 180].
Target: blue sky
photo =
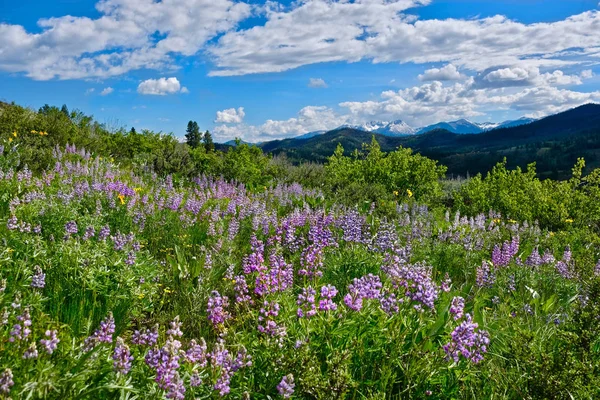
[264, 71]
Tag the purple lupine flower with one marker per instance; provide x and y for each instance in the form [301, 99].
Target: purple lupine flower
[175, 328]
[366, 287]
[51, 343]
[527, 308]
[311, 261]
[457, 307]
[6, 381]
[102, 335]
[31, 352]
[415, 280]
[20, 332]
[130, 258]
[223, 362]
[286, 386]
[217, 308]
[197, 353]
[195, 379]
[306, 303]
[446, 283]
[485, 276]
[146, 337]
[511, 285]
[389, 303]
[255, 260]
[564, 266]
[38, 280]
[167, 363]
[104, 232]
[241, 290]
[534, 259]
[122, 357]
[597, 269]
[71, 228]
[326, 303]
[119, 241]
[89, 233]
[548, 257]
[467, 342]
[13, 223]
[266, 320]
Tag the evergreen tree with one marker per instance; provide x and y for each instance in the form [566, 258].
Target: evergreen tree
[132, 131]
[209, 145]
[193, 136]
[65, 110]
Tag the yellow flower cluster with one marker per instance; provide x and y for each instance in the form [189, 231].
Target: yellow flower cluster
[41, 133]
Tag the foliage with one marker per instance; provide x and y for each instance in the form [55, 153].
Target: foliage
[400, 172]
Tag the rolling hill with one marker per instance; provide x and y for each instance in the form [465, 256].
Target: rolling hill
[554, 143]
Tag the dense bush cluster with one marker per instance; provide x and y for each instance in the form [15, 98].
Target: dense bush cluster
[117, 281]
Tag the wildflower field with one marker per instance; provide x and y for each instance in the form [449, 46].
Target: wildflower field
[129, 285]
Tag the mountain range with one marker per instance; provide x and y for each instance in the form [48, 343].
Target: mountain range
[401, 128]
[554, 143]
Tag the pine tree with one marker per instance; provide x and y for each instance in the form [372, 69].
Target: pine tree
[132, 131]
[65, 110]
[192, 136]
[209, 145]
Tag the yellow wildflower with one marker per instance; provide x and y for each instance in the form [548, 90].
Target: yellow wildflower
[10, 139]
[569, 220]
[32, 131]
[512, 221]
[15, 134]
[141, 296]
[497, 220]
[409, 192]
[122, 198]
[551, 233]
[395, 192]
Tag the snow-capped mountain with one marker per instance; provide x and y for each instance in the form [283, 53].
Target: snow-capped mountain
[401, 128]
[389, 128]
[460, 126]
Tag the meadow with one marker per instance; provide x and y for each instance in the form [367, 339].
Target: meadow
[118, 281]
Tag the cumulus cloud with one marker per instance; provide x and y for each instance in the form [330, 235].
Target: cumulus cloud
[434, 102]
[316, 83]
[586, 74]
[127, 35]
[230, 116]
[106, 91]
[446, 73]
[316, 31]
[526, 76]
[161, 87]
[308, 119]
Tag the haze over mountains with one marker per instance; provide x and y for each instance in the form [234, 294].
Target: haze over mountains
[554, 142]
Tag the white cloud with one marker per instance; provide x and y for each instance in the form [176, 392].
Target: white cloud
[446, 73]
[316, 83]
[161, 86]
[128, 35]
[230, 116]
[89, 91]
[106, 91]
[434, 102]
[526, 76]
[309, 119]
[586, 74]
[316, 31]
